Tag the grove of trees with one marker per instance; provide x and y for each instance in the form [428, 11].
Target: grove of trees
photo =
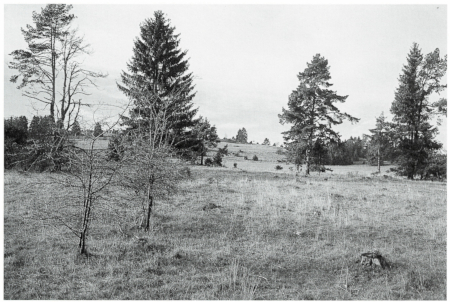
[242, 136]
[408, 141]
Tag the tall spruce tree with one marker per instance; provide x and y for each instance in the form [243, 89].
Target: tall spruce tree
[158, 81]
[311, 109]
[412, 110]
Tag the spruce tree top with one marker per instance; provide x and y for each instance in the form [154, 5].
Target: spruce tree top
[158, 70]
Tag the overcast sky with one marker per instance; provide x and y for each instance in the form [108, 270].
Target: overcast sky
[245, 58]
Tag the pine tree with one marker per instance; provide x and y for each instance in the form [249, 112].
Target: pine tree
[266, 141]
[158, 81]
[16, 130]
[379, 147]
[239, 136]
[242, 136]
[412, 110]
[33, 128]
[97, 129]
[206, 136]
[41, 128]
[311, 108]
[76, 129]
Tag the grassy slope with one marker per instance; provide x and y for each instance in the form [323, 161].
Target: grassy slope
[275, 237]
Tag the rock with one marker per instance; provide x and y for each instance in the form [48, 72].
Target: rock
[375, 259]
[210, 206]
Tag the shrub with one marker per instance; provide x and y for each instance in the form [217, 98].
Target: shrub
[16, 130]
[245, 157]
[208, 162]
[280, 151]
[278, 167]
[115, 147]
[224, 150]
[217, 160]
[16, 133]
[235, 165]
[436, 167]
[185, 172]
[255, 158]
[317, 168]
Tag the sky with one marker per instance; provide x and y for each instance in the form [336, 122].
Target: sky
[245, 58]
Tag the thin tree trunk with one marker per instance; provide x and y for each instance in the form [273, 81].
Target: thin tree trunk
[82, 244]
[149, 212]
[53, 66]
[307, 162]
[150, 204]
[378, 157]
[87, 214]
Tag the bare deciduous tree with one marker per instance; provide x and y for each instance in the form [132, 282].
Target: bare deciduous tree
[152, 169]
[50, 68]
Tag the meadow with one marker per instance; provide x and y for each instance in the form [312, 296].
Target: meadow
[274, 235]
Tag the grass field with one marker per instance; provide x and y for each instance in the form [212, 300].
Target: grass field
[274, 236]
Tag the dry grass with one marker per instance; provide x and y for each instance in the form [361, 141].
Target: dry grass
[275, 236]
[85, 143]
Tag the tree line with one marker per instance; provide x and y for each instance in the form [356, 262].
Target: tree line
[409, 140]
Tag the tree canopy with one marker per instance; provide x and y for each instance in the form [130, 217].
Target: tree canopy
[311, 108]
[50, 68]
[412, 109]
[242, 136]
[158, 80]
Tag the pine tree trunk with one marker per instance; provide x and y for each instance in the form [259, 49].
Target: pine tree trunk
[378, 157]
[307, 162]
[201, 155]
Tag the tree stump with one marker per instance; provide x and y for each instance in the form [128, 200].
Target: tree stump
[210, 206]
[374, 259]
